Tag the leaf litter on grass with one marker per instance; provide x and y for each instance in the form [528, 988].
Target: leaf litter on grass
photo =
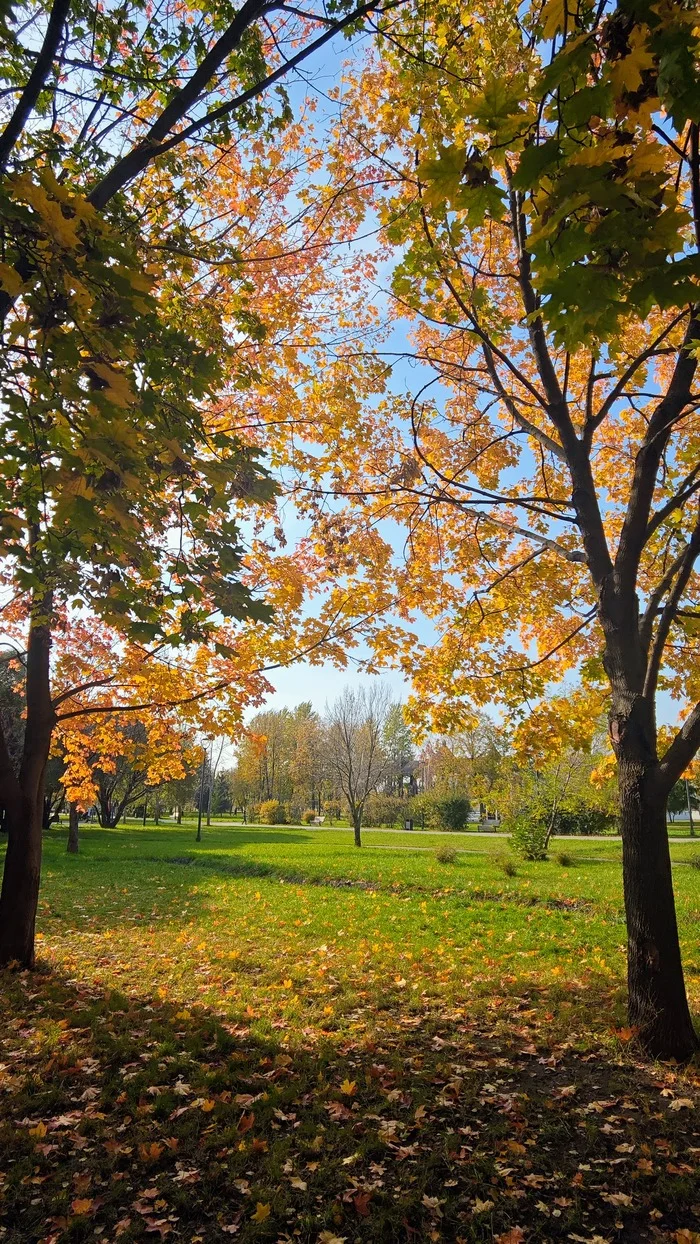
[230, 1057]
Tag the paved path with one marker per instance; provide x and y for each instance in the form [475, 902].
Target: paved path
[432, 833]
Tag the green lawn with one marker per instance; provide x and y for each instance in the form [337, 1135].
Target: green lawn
[369, 1044]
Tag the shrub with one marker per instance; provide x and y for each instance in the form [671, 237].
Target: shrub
[272, 812]
[452, 811]
[421, 809]
[528, 837]
[508, 867]
[563, 858]
[308, 817]
[446, 855]
[583, 819]
[384, 810]
[694, 860]
[332, 810]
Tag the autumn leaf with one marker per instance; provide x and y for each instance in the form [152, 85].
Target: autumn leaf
[150, 1152]
[348, 1088]
[81, 1205]
[39, 1131]
[262, 1212]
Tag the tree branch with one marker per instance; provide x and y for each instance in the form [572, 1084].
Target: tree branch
[669, 409]
[35, 83]
[681, 751]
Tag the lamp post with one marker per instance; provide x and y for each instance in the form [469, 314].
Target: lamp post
[200, 801]
[690, 808]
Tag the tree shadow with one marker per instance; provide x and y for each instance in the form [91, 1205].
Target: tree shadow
[134, 1118]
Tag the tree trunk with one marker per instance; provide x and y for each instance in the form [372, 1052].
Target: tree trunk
[357, 827]
[72, 844]
[658, 1006]
[20, 883]
[23, 798]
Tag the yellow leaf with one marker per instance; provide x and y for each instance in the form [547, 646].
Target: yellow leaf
[349, 1088]
[81, 1205]
[262, 1212]
[118, 388]
[553, 17]
[208, 1105]
[10, 280]
[39, 1131]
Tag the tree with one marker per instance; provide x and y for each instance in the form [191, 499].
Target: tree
[110, 369]
[355, 730]
[546, 223]
[223, 794]
[398, 743]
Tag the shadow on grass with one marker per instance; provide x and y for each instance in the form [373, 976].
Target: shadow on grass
[130, 1118]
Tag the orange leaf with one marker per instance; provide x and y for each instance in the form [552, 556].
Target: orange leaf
[81, 1205]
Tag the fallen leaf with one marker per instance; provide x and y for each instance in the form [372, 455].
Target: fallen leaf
[262, 1212]
[81, 1205]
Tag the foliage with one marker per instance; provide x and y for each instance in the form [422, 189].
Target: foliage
[446, 855]
[582, 818]
[308, 816]
[452, 811]
[381, 809]
[271, 812]
[529, 836]
[564, 858]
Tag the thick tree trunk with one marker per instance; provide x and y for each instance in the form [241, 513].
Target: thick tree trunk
[72, 844]
[20, 883]
[23, 798]
[357, 827]
[658, 1006]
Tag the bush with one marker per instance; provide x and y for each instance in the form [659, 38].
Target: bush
[508, 867]
[446, 855]
[694, 860]
[528, 837]
[384, 810]
[582, 819]
[272, 812]
[563, 858]
[421, 809]
[308, 817]
[452, 811]
[332, 810]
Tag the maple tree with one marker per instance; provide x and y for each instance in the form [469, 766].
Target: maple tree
[114, 120]
[539, 179]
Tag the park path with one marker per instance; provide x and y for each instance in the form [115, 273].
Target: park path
[432, 833]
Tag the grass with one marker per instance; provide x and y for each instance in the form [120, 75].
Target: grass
[270, 1036]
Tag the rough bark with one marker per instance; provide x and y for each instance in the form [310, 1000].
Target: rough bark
[357, 828]
[72, 844]
[23, 798]
[658, 1006]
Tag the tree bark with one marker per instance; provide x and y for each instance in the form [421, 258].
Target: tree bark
[658, 1006]
[23, 798]
[72, 844]
[357, 827]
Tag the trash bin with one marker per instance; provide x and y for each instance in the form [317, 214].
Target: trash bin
[408, 823]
